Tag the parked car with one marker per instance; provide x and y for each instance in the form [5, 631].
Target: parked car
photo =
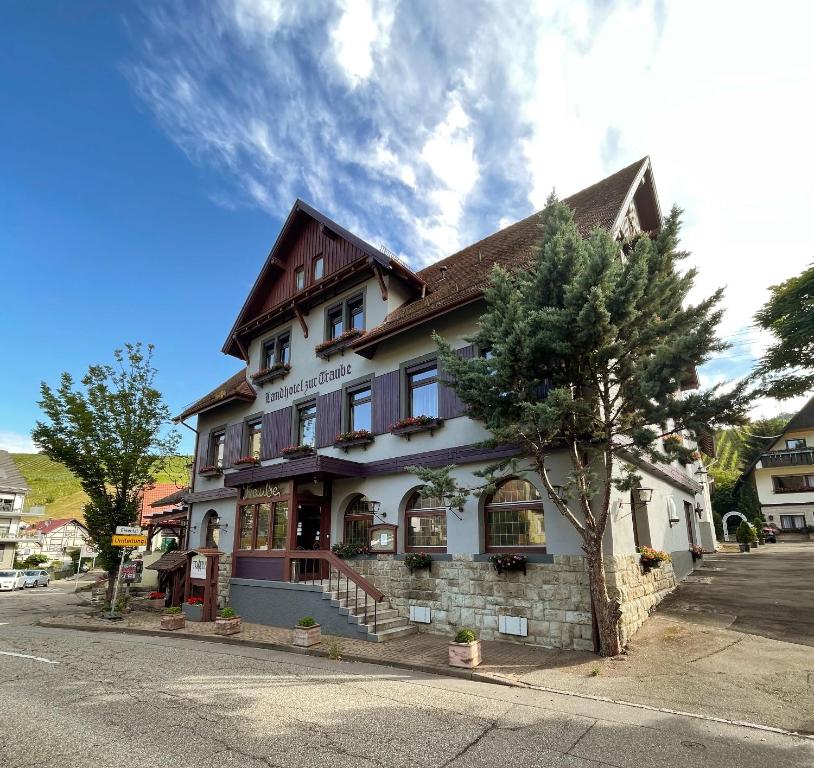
[11, 580]
[37, 578]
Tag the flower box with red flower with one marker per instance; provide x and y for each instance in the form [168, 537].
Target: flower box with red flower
[509, 562]
[210, 470]
[276, 371]
[193, 608]
[652, 558]
[696, 551]
[297, 451]
[340, 343]
[413, 424]
[154, 601]
[247, 461]
[352, 439]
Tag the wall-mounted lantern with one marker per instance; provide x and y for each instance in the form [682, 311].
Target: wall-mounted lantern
[699, 510]
[645, 495]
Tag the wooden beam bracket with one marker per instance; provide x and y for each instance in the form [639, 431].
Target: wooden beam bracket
[301, 318]
[382, 285]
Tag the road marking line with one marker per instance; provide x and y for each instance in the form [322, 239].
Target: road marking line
[26, 656]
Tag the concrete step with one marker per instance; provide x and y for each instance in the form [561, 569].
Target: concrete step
[383, 635]
[382, 624]
[381, 615]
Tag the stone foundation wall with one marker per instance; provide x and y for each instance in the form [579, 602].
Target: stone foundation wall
[224, 574]
[463, 592]
[638, 593]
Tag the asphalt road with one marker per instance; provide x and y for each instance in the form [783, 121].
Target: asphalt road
[80, 699]
[768, 592]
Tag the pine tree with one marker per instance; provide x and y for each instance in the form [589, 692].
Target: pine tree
[587, 350]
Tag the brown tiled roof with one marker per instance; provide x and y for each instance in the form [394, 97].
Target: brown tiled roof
[169, 562]
[463, 277]
[172, 500]
[234, 388]
[803, 419]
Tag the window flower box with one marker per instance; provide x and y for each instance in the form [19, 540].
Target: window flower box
[297, 451]
[509, 562]
[265, 375]
[652, 558]
[415, 561]
[413, 424]
[341, 342]
[353, 439]
[346, 551]
[247, 461]
[697, 552]
[210, 471]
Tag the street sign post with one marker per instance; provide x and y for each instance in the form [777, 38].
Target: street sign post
[132, 530]
[129, 540]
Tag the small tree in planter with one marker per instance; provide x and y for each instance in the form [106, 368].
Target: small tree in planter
[173, 618]
[307, 632]
[464, 650]
[744, 535]
[227, 622]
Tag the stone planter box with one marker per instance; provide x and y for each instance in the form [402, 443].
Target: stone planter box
[172, 621]
[305, 637]
[360, 441]
[413, 429]
[299, 454]
[466, 655]
[272, 375]
[227, 626]
[153, 605]
[192, 612]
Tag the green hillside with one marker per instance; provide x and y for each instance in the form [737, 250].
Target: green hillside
[55, 487]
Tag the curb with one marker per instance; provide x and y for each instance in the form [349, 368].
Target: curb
[478, 677]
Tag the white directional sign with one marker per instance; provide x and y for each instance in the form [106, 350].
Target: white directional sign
[128, 530]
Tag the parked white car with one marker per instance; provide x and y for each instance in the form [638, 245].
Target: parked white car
[11, 580]
[37, 578]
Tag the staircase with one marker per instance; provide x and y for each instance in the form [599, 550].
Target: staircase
[382, 622]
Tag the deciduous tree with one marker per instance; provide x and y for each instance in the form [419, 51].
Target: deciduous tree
[587, 350]
[110, 433]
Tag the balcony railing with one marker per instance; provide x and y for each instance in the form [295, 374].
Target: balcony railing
[799, 457]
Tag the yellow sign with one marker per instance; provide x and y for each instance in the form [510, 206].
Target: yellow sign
[129, 540]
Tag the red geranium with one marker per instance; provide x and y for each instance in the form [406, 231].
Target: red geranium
[156, 596]
[195, 601]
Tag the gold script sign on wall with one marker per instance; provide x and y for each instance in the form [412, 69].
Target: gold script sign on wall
[268, 488]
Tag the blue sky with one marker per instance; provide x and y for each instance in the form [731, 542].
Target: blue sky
[148, 153]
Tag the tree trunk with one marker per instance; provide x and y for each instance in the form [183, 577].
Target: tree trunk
[607, 611]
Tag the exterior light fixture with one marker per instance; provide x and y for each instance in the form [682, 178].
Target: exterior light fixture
[698, 510]
[645, 495]
[373, 507]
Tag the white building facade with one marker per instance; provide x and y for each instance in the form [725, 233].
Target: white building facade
[13, 489]
[305, 448]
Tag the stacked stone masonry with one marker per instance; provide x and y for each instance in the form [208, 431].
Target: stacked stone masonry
[638, 593]
[462, 592]
[224, 574]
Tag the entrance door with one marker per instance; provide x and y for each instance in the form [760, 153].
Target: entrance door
[688, 510]
[313, 532]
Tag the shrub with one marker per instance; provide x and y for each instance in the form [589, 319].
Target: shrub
[465, 635]
[307, 621]
[227, 613]
[744, 533]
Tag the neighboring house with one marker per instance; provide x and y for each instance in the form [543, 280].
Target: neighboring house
[784, 475]
[54, 537]
[335, 337]
[13, 489]
[163, 514]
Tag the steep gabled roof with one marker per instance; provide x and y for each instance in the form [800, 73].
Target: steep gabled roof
[275, 262]
[236, 387]
[11, 479]
[803, 419]
[463, 277]
[49, 526]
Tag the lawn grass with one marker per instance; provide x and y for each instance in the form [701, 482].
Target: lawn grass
[55, 487]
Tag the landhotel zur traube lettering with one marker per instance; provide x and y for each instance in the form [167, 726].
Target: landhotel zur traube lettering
[337, 390]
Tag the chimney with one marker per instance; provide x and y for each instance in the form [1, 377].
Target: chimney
[443, 273]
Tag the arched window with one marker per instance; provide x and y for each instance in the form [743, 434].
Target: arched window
[426, 523]
[212, 529]
[514, 517]
[357, 523]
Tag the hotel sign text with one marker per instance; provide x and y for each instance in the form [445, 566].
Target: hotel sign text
[304, 386]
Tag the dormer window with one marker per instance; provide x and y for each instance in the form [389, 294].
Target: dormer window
[319, 268]
[299, 278]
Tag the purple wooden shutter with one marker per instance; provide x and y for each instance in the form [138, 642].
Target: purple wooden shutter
[449, 405]
[203, 450]
[266, 437]
[385, 402]
[329, 421]
[280, 431]
[233, 448]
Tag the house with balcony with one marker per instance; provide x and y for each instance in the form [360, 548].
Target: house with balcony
[55, 538]
[339, 389]
[13, 489]
[783, 476]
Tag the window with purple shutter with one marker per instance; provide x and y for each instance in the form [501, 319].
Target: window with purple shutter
[234, 444]
[276, 433]
[449, 405]
[329, 413]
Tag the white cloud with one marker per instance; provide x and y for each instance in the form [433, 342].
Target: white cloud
[362, 30]
[13, 442]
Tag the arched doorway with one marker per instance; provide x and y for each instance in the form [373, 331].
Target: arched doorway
[735, 523]
[210, 530]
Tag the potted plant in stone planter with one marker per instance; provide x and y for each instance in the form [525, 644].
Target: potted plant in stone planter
[227, 622]
[307, 632]
[744, 536]
[193, 609]
[154, 599]
[464, 650]
[173, 618]
[415, 561]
